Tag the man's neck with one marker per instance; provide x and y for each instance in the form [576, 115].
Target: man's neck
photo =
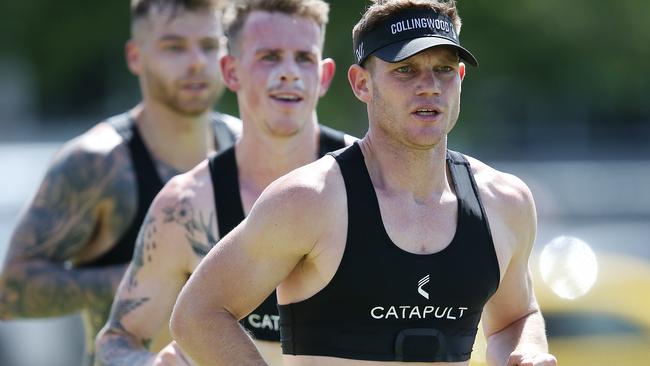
[397, 168]
[262, 158]
[179, 141]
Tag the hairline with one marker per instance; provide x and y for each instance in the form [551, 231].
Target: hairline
[235, 42]
[171, 12]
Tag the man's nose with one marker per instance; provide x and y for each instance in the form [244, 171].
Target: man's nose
[198, 60]
[289, 71]
[428, 84]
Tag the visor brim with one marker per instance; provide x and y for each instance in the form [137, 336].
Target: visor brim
[399, 51]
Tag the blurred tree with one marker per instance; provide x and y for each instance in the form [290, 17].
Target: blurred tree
[75, 48]
[571, 74]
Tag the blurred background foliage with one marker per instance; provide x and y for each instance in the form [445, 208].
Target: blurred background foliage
[557, 78]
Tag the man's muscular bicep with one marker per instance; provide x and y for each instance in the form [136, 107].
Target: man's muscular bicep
[63, 219]
[128, 333]
[516, 223]
[249, 263]
[175, 235]
[173, 232]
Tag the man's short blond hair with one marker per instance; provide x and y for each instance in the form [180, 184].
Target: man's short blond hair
[142, 9]
[237, 12]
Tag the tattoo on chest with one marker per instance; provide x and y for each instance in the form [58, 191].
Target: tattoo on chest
[200, 233]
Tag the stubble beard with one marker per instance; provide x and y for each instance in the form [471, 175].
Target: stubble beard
[384, 119]
[169, 95]
[389, 123]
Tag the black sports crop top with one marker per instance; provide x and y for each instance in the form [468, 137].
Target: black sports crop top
[148, 181]
[263, 322]
[385, 304]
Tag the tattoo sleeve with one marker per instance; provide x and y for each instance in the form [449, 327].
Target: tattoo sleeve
[117, 346]
[37, 278]
[165, 222]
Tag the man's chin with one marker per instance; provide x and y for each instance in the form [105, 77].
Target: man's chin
[191, 109]
[284, 129]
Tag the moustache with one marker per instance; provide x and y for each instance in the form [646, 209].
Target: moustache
[275, 84]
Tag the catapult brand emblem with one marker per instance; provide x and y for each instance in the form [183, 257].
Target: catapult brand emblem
[423, 281]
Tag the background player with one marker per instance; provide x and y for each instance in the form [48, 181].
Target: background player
[71, 245]
[276, 68]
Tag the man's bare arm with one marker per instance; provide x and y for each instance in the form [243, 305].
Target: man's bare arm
[512, 320]
[243, 269]
[38, 278]
[175, 230]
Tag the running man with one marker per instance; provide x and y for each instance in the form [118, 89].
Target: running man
[388, 252]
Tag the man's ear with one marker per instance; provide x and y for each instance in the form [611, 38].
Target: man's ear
[461, 70]
[359, 79]
[328, 68]
[228, 66]
[132, 53]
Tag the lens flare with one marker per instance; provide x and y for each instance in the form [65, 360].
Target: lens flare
[568, 266]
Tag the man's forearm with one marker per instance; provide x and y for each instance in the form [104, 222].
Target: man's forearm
[217, 340]
[526, 334]
[44, 289]
[116, 348]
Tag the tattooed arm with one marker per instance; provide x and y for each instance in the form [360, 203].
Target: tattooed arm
[175, 235]
[82, 204]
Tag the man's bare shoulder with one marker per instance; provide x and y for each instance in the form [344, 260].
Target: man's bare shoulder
[192, 190]
[312, 194]
[184, 213]
[316, 182]
[349, 139]
[499, 186]
[192, 184]
[101, 140]
[506, 196]
[89, 186]
[98, 155]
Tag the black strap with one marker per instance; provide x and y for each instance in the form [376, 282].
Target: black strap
[225, 179]
[471, 204]
[466, 188]
[330, 140]
[462, 178]
[363, 206]
[143, 163]
[148, 184]
[225, 185]
[230, 212]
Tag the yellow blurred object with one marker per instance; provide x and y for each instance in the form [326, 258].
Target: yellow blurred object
[478, 353]
[608, 326]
